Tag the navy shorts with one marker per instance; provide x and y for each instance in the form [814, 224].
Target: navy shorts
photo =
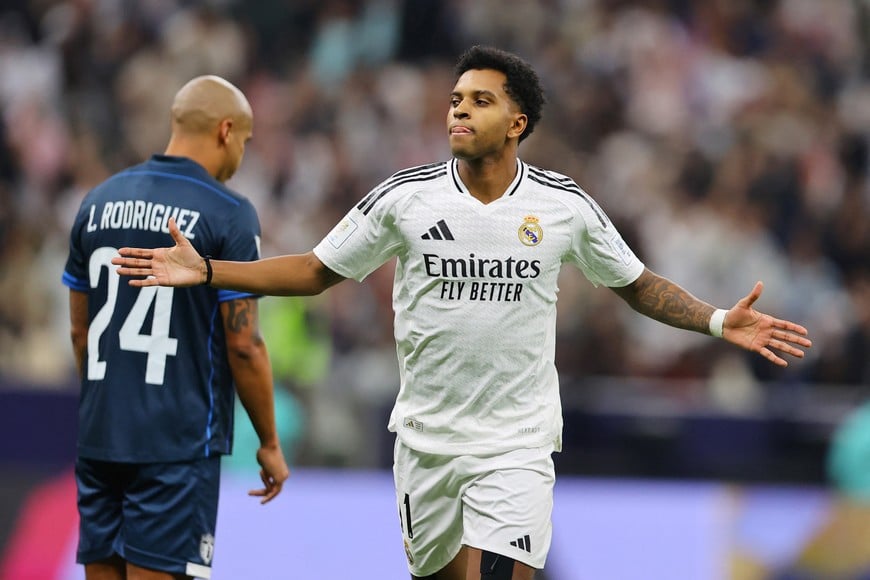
[155, 515]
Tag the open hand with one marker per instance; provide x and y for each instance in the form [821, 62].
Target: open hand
[763, 333]
[178, 266]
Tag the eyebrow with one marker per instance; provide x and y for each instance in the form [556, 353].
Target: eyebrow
[477, 93]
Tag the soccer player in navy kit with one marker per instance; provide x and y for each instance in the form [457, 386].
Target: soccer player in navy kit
[159, 366]
[480, 240]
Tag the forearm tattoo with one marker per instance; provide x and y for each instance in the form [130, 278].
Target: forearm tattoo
[662, 300]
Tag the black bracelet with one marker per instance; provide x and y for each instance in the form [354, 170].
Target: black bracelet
[208, 271]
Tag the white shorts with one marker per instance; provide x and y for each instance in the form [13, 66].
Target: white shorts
[498, 503]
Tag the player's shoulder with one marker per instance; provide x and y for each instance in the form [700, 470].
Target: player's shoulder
[415, 177]
[405, 182]
[552, 181]
[563, 188]
[232, 196]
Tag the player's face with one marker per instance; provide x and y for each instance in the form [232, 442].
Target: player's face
[481, 115]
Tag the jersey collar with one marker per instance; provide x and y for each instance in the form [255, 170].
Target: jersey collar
[511, 189]
[176, 163]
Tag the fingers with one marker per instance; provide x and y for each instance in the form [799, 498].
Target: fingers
[783, 347]
[142, 282]
[273, 488]
[273, 492]
[769, 355]
[133, 262]
[786, 348]
[268, 493]
[124, 271]
[140, 267]
[792, 327]
[146, 253]
[146, 276]
[796, 335]
[786, 343]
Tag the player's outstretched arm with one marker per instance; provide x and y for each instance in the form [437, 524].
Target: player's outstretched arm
[663, 300]
[181, 265]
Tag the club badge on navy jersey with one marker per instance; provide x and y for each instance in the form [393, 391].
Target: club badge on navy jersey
[206, 548]
[531, 233]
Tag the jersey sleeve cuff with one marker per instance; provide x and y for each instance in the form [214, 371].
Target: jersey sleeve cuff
[227, 295]
[74, 283]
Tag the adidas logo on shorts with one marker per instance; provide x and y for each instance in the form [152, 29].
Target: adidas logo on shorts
[524, 543]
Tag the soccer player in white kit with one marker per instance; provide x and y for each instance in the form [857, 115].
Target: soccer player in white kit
[480, 240]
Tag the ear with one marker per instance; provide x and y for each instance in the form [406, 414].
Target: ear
[518, 127]
[224, 129]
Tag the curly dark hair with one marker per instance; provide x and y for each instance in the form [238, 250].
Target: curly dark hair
[522, 85]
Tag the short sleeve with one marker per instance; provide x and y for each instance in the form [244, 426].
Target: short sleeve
[361, 242]
[75, 272]
[598, 248]
[240, 243]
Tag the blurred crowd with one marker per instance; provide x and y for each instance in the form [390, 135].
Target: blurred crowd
[727, 139]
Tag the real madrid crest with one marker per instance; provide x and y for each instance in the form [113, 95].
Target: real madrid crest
[531, 232]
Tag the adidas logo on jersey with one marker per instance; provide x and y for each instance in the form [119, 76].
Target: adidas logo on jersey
[412, 423]
[439, 231]
[524, 543]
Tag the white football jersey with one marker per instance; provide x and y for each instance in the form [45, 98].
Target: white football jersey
[475, 298]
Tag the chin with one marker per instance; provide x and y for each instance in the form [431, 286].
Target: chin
[462, 153]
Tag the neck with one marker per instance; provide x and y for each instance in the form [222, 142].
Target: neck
[195, 150]
[488, 179]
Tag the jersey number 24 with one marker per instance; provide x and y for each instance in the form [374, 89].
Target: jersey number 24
[157, 345]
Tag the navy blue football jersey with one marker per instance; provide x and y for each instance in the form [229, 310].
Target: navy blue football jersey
[157, 384]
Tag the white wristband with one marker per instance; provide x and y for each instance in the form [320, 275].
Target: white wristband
[717, 322]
